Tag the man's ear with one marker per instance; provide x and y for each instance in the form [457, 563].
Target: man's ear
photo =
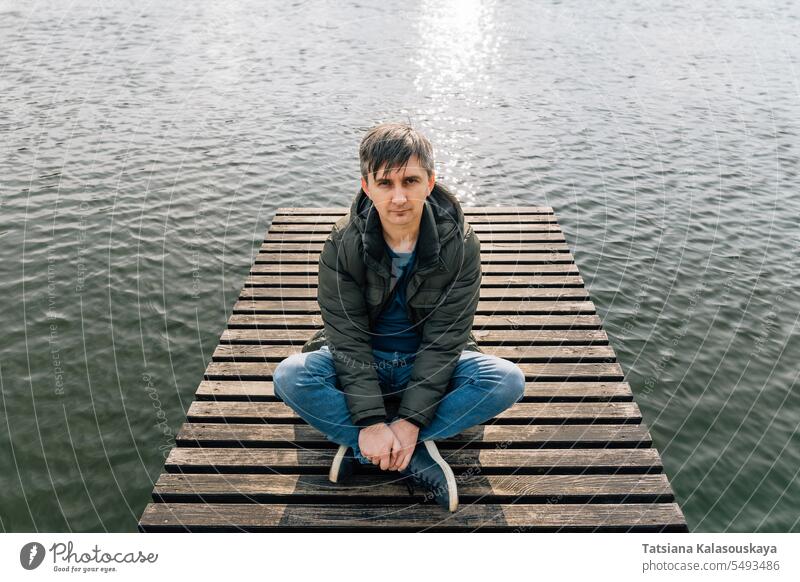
[364, 185]
[431, 182]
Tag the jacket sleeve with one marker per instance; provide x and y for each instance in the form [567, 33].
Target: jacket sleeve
[344, 316]
[444, 336]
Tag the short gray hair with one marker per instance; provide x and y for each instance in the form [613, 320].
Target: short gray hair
[393, 144]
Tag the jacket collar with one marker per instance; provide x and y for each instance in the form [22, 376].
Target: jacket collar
[442, 217]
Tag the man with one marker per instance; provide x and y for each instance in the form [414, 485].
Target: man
[396, 365]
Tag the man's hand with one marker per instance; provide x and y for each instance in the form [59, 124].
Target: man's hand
[377, 442]
[407, 433]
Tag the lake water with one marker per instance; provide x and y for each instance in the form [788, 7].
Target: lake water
[146, 146]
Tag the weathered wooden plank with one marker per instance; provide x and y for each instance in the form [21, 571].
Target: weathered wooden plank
[538, 391]
[629, 517]
[487, 281]
[262, 488]
[287, 323]
[525, 270]
[525, 353]
[540, 372]
[487, 461]
[486, 228]
[481, 436]
[497, 247]
[528, 412]
[471, 219]
[602, 517]
[485, 238]
[467, 210]
[278, 323]
[481, 322]
[518, 258]
[497, 308]
[488, 294]
[528, 337]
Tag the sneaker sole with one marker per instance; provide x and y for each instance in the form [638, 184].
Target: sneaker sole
[448, 473]
[333, 474]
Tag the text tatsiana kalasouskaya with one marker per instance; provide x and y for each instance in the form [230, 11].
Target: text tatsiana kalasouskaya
[709, 549]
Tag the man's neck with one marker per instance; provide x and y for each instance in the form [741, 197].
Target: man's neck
[402, 240]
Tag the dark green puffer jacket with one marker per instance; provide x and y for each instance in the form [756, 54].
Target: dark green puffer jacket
[442, 296]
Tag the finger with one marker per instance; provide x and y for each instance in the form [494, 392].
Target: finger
[404, 463]
[392, 459]
[403, 453]
[397, 455]
[398, 459]
[384, 461]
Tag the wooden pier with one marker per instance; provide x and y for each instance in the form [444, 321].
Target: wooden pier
[572, 455]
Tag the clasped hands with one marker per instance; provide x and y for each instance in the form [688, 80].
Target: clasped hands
[389, 445]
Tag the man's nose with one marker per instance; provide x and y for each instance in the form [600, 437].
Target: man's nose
[399, 195]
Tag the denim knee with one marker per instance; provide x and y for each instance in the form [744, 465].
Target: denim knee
[512, 387]
[283, 374]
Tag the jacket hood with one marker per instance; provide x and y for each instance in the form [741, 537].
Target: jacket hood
[442, 218]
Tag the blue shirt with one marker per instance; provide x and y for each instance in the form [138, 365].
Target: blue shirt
[392, 331]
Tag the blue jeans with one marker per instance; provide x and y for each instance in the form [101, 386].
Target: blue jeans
[481, 387]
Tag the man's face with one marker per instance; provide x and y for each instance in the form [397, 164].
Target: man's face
[399, 196]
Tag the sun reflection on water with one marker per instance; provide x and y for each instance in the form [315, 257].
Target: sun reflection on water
[459, 47]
